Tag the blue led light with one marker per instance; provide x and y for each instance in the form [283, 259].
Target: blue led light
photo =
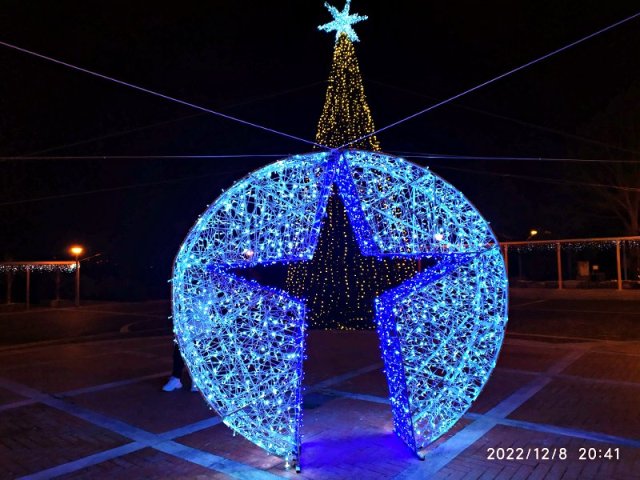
[342, 21]
[440, 332]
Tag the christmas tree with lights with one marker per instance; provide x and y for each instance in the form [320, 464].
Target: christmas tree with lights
[340, 284]
[346, 116]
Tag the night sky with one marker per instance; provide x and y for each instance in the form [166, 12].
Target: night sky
[267, 63]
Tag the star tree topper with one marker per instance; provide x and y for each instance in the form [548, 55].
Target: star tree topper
[342, 21]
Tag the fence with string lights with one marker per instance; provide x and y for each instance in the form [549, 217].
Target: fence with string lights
[51, 266]
[579, 262]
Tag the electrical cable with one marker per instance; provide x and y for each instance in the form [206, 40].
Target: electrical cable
[543, 179]
[160, 95]
[173, 120]
[467, 170]
[113, 189]
[435, 156]
[494, 79]
[404, 154]
[513, 120]
[144, 157]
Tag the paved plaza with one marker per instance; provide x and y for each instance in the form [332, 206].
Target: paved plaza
[564, 404]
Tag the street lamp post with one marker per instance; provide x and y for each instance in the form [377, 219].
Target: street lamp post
[532, 234]
[76, 251]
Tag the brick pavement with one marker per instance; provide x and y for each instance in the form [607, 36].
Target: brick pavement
[474, 458]
[147, 463]
[36, 437]
[95, 410]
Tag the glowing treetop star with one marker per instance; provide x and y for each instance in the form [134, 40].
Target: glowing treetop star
[342, 21]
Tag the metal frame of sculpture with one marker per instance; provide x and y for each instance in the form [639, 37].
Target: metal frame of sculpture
[440, 332]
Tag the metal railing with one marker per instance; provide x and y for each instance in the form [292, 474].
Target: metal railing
[56, 266]
[504, 246]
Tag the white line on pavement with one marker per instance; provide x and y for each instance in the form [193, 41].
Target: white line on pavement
[444, 453]
[142, 438]
[84, 462]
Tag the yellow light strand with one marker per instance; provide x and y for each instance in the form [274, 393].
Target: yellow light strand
[345, 117]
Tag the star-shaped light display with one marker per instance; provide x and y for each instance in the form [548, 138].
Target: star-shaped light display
[243, 341]
[351, 311]
[342, 21]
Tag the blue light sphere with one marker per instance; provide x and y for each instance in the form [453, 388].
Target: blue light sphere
[440, 332]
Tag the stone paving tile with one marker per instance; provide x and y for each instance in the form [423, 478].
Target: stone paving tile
[162, 350]
[220, 441]
[459, 425]
[536, 357]
[602, 408]
[136, 343]
[342, 438]
[11, 358]
[331, 353]
[145, 405]
[610, 366]
[372, 383]
[347, 438]
[37, 437]
[148, 464]
[154, 307]
[630, 348]
[474, 460]
[501, 384]
[7, 396]
[69, 372]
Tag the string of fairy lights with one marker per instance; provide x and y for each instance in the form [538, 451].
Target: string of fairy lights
[577, 245]
[346, 115]
[244, 342]
[340, 283]
[344, 299]
[45, 268]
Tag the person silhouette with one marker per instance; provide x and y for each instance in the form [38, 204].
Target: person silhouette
[175, 380]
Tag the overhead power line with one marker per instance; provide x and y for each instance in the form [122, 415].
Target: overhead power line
[100, 190]
[436, 156]
[182, 179]
[517, 121]
[172, 120]
[495, 79]
[420, 155]
[144, 157]
[116, 188]
[160, 95]
[555, 181]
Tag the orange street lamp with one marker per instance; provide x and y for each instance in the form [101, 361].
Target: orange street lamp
[76, 251]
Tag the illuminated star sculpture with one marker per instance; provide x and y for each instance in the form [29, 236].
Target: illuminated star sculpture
[243, 341]
[342, 21]
[356, 314]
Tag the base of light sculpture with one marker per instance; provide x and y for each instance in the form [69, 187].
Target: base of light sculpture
[292, 465]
